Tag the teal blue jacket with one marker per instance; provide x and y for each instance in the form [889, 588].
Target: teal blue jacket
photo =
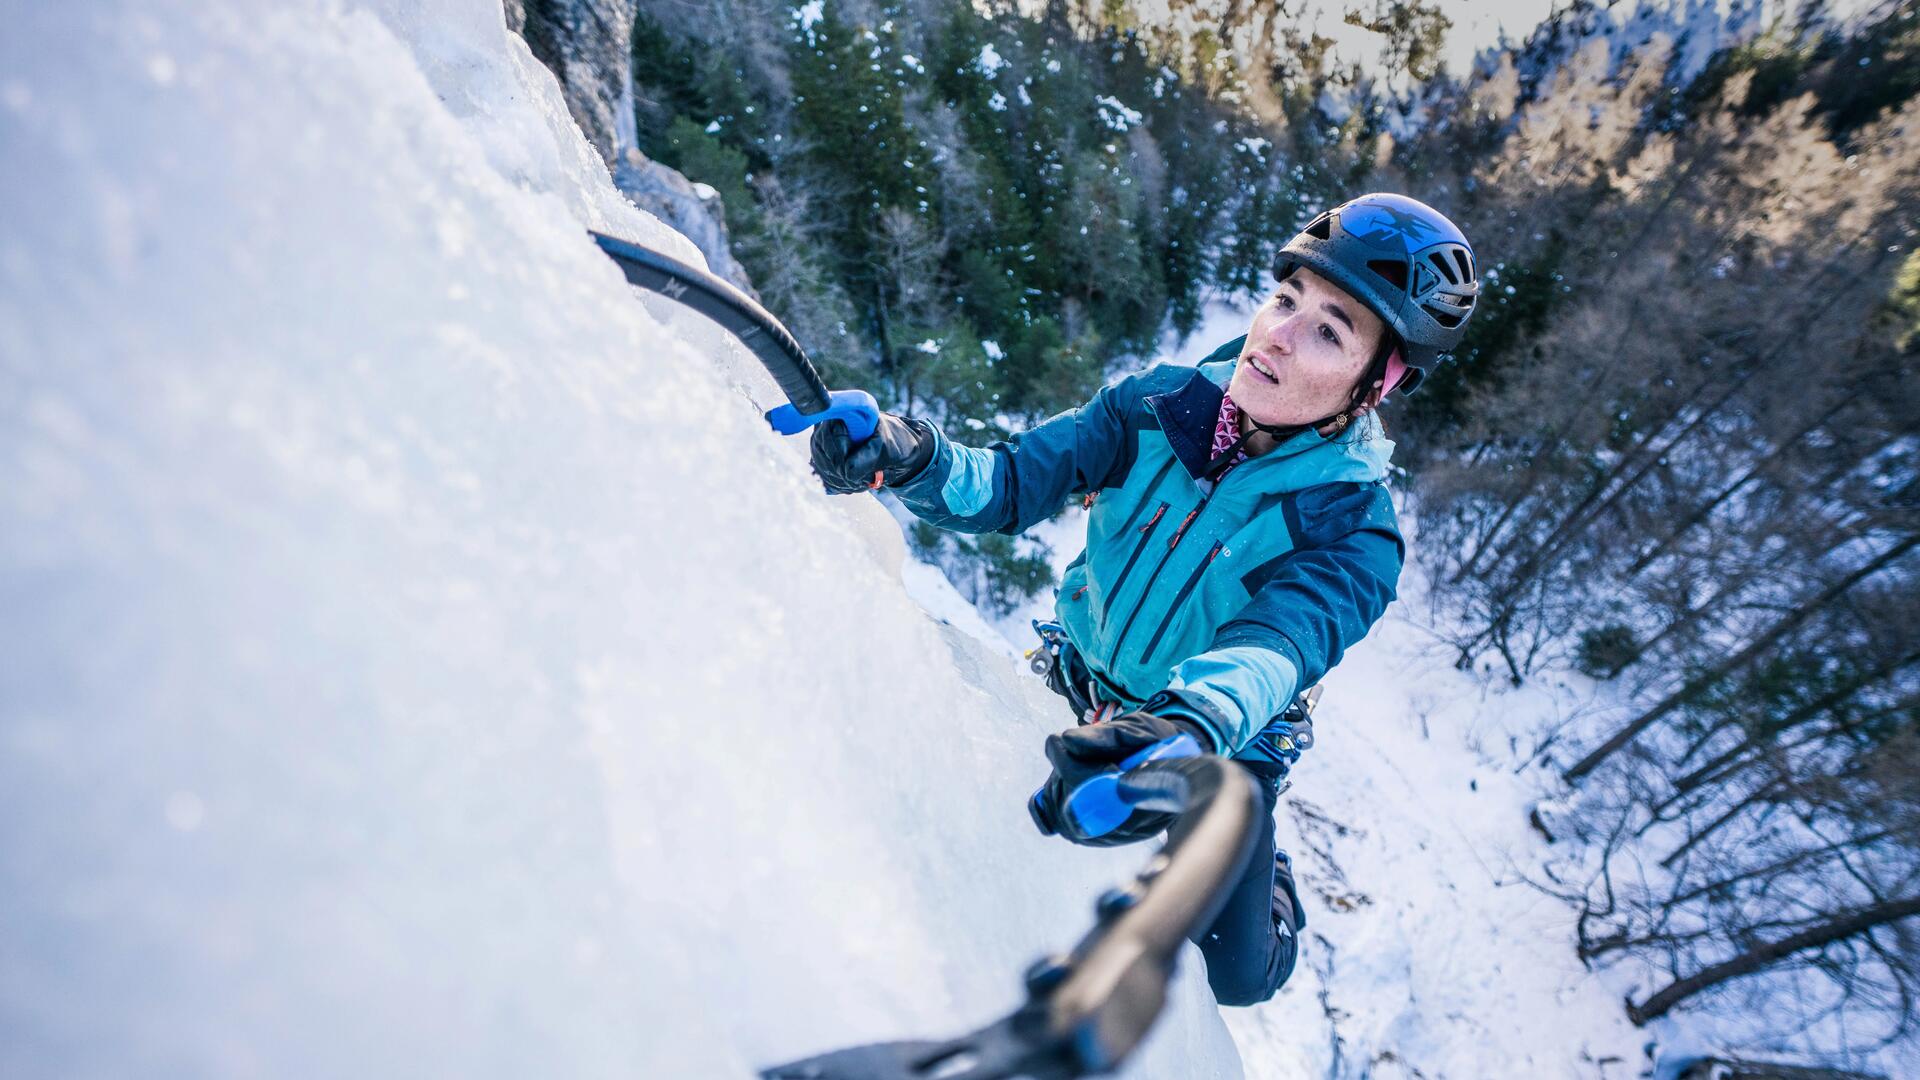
[1223, 599]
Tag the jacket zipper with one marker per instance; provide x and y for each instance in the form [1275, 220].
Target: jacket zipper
[1146, 529]
[1152, 485]
[1180, 600]
[1146, 534]
[1114, 655]
[1172, 544]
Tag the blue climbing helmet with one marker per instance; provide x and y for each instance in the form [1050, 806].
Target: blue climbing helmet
[1403, 259]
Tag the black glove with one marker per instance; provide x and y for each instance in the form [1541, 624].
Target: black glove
[899, 449]
[1081, 753]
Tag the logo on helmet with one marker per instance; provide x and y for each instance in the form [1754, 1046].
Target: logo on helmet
[1381, 225]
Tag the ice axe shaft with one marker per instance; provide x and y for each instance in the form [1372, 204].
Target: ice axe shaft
[763, 335]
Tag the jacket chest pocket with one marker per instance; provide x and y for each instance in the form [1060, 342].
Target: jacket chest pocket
[1179, 605]
[1140, 538]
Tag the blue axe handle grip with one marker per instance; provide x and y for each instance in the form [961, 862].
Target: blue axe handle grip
[1099, 805]
[856, 408]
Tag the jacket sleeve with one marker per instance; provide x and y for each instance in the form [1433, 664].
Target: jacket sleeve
[1320, 599]
[1014, 485]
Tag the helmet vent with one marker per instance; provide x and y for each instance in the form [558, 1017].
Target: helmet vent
[1394, 270]
[1321, 228]
[1466, 267]
[1446, 268]
[1450, 309]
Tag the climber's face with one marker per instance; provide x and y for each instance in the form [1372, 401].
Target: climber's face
[1308, 346]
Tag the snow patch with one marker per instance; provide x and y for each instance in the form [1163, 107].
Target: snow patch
[989, 62]
[807, 16]
[1116, 115]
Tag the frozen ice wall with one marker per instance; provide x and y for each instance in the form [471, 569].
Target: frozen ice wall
[419, 658]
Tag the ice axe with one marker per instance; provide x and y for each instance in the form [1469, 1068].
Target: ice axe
[1087, 1010]
[763, 335]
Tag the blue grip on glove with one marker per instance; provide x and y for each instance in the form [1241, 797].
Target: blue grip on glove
[855, 408]
[1099, 805]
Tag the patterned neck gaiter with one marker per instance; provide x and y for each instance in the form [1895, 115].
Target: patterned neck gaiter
[1226, 432]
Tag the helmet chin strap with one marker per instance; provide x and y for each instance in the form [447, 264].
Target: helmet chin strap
[1376, 373]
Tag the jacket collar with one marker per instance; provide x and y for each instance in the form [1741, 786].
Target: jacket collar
[1188, 412]
[1187, 415]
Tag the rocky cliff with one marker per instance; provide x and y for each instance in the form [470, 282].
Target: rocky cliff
[693, 210]
[587, 45]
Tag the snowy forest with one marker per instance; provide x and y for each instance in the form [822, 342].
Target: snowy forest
[424, 660]
[1677, 454]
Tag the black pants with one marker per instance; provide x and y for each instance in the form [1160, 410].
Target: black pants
[1249, 956]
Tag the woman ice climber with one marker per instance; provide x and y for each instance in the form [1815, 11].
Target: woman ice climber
[1240, 536]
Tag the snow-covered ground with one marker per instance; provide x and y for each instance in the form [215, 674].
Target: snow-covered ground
[1429, 955]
